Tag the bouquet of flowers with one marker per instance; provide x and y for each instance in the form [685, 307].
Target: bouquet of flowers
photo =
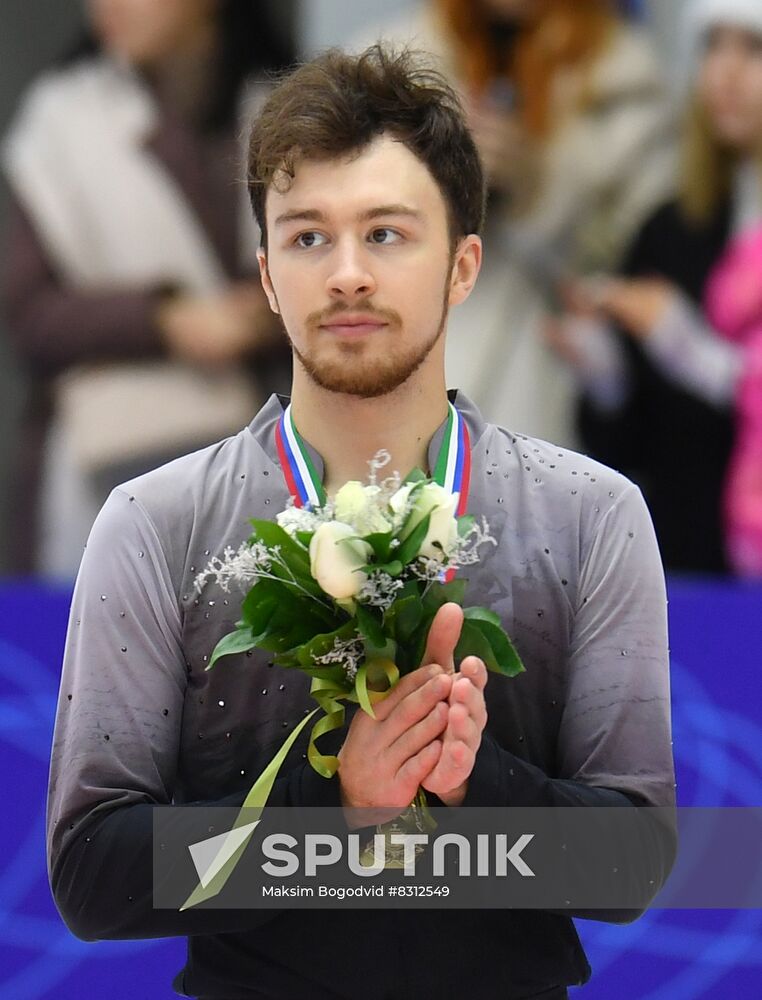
[346, 592]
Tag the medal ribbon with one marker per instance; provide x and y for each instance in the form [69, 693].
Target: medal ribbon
[452, 469]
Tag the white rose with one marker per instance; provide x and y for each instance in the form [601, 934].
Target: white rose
[434, 500]
[355, 504]
[336, 555]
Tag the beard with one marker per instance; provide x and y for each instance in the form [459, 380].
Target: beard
[351, 373]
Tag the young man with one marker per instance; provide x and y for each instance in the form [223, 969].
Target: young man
[369, 194]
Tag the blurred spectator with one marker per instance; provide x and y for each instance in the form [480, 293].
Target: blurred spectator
[663, 395]
[568, 110]
[131, 251]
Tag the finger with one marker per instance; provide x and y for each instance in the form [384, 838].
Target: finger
[415, 707]
[443, 637]
[453, 767]
[414, 739]
[462, 727]
[469, 700]
[416, 769]
[475, 670]
[405, 686]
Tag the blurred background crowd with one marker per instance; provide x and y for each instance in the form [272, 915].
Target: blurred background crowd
[619, 310]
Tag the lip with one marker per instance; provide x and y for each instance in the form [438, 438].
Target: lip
[354, 324]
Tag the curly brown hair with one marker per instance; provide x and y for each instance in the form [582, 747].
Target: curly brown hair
[336, 104]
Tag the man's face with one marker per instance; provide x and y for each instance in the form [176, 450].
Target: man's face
[360, 268]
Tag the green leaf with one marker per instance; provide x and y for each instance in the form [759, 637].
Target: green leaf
[508, 660]
[403, 617]
[482, 614]
[260, 604]
[393, 568]
[409, 549]
[415, 476]
[295, 556]
[369, 625]
[380, 542]
[240, 641]
[465, 524]
[503, 659]
[322, 643]
[444, 593]
[473, 642]
[304, 538]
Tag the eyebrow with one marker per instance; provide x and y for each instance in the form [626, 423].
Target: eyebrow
[314, 215]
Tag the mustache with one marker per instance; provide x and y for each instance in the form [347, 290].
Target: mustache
[323, 316]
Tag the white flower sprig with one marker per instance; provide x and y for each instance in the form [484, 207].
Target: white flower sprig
[347, 653]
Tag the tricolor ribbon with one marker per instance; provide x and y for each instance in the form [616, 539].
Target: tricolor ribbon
[452, 469]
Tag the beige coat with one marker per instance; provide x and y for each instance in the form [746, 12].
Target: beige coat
[603, 170]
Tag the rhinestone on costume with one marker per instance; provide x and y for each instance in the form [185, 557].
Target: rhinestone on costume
[124, 649]
[282, 687]
[103, 597]
[264, 690]
[221, 703]
[141, 554]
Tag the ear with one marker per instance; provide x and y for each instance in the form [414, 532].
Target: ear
[264, 277]
[465, 269]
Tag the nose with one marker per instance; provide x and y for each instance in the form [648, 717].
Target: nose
[350, 274]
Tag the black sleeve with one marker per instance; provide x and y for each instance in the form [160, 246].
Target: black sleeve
[102, 881]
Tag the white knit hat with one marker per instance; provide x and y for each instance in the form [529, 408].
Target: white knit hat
[705, 14]
[702, 15]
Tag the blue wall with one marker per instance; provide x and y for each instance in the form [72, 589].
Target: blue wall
[716, 634]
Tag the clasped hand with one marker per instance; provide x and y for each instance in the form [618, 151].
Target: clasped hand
[425, 733]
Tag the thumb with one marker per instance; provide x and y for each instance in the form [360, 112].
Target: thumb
[443, 637]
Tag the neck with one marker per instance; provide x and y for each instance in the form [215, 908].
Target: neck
[348, 431]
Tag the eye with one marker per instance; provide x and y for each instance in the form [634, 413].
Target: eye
[379, 236]
[309, 239]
